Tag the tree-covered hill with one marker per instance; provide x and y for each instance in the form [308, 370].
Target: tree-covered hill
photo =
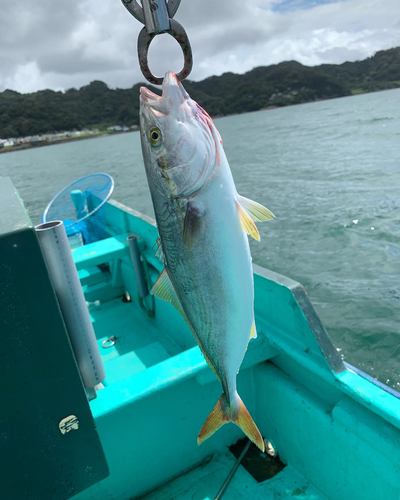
[382, 71]
[96, 105]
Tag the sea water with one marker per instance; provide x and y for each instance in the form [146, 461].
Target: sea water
[329, 170]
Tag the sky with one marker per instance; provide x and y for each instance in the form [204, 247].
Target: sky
[60, 45]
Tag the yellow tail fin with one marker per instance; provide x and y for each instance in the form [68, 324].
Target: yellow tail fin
[222, 413]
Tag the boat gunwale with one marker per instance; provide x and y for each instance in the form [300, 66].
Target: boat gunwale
[335, 361]
[373, 380]
[325, 343]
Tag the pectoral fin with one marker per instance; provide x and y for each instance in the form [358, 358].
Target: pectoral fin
[193, 226]
[256, 211]
[247, 223]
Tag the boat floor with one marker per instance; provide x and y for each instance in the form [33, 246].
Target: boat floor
[205, 481]
[137, 340]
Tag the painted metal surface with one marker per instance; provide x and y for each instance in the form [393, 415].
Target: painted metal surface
[48, 441]
[338, 432]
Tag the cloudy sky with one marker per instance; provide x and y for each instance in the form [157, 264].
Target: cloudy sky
[59, 45]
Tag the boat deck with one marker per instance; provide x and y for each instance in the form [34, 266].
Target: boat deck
[205, 481]
[137, 340]
[138, 346]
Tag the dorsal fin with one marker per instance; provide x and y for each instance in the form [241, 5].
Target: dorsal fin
[256, 211]
[247, 223]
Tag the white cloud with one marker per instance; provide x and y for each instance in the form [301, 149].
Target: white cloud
[68, 45]
[25, 77]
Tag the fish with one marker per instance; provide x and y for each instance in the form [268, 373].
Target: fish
[203, 226]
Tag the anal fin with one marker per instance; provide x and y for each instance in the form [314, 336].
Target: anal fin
[253, 331]
[164, 290]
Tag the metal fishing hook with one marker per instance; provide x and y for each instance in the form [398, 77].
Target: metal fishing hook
[157, 16]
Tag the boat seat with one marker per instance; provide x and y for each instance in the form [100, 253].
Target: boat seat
[100, 252]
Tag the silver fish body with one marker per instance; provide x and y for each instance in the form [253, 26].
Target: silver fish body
[201, 220]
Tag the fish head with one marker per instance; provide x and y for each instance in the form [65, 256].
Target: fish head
[180, 143]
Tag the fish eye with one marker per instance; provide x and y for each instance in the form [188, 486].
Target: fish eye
[155, 136]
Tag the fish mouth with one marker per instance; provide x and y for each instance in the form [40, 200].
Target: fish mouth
[173, 95]
[153, 102]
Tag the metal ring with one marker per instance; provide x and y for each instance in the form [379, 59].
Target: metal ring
[177, 31]
[108, 342]
[137, 11]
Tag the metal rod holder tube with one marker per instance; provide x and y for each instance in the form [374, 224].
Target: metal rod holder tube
[137, 267]
[64, 276]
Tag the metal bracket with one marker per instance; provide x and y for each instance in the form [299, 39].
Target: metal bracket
[157, 16]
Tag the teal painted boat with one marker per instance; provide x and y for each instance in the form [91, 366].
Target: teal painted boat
[334, 432]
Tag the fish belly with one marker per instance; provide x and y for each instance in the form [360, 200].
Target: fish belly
[214, 278]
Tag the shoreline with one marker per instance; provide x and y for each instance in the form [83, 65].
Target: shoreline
[39, 144]
[32, 145]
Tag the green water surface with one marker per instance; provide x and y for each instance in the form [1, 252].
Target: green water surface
[330, 171]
